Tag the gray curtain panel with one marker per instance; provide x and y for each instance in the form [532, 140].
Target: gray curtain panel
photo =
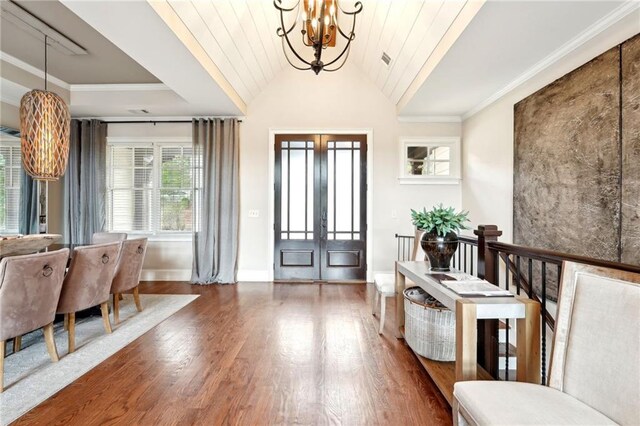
[85, 181]
[216, 200]
[28, 215]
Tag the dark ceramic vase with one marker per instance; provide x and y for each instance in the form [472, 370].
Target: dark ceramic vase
[439, 249]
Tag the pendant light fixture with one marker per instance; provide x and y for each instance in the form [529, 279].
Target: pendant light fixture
[320, 28]
[44, 132]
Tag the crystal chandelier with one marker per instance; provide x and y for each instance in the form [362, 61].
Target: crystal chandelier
[44, 132]
[320, 28]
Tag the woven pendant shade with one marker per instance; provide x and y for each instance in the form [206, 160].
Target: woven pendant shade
[44, 131]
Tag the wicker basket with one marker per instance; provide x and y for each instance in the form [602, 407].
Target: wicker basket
[429, 327]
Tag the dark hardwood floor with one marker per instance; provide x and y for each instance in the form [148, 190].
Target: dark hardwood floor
[256, 354]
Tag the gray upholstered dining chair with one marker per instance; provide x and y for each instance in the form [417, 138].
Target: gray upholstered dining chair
[29, 291]
[88, 283]
[107, 237]
[594, 376]
[127, 275]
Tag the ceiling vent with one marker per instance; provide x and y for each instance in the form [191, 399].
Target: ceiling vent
[138, 111]
[386, 58]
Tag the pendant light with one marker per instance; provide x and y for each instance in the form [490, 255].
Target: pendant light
[44, 132]
[322, 23]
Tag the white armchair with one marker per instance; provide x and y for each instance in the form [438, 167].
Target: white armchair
[594, 375]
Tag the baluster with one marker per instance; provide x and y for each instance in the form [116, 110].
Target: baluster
[530, 278]
[471, 260]
[465, 258]
[544, 322]
[518, 275]
[506, 357]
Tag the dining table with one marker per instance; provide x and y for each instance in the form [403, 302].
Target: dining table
[13, 245]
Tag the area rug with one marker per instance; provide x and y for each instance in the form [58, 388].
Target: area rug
[29, 375]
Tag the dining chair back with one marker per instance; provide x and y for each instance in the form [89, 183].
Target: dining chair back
[30, 288]
[88, 283]
[127, 276]
[107, 237]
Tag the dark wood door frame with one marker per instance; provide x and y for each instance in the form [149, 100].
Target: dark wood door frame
[368, 133]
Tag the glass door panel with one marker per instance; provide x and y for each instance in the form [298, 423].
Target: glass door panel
[320, 207]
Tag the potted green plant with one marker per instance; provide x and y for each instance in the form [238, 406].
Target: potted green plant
[440, 239]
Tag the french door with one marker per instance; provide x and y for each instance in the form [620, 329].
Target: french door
[320, 207]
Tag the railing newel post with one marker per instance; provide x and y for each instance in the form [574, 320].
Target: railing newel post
[488, 329]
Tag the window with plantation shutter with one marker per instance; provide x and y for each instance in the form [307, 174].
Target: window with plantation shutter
[149, 188]
[9, 187]
[176, 188]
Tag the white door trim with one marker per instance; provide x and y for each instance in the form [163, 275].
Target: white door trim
[271, 185]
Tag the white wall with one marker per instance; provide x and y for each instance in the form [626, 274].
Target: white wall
[301, 100]
[487, 136]
[341, 100]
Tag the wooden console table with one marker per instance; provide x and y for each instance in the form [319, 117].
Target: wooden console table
[468, 310]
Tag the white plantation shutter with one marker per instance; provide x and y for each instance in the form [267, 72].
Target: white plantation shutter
[175, 189]
[130, 177]
[149, 188]
[9, 187]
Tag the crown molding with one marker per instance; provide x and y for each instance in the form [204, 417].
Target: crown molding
[429, 119]
[598, 27]
[144, 87]
[11, 92]
[33, 70]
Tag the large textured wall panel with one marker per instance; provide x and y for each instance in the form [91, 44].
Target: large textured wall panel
[567, 163]
[631, 151]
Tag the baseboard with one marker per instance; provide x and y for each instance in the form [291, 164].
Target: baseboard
[165, 275]
[253, 275]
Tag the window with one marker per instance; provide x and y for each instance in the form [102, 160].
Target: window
[430, 160]
[150, 187]
[9, 186]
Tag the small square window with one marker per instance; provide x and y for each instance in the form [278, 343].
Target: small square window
[430, 160]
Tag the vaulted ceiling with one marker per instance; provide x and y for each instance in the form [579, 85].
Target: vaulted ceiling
[216, 56]
[240, 38]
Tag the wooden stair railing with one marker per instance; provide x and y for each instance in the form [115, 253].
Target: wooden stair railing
[512, 255]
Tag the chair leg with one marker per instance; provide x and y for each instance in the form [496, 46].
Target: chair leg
[120, 296]
[2, 354]
[104, 309]
[383, 307]
[72, 332]
[17, 344]
[136, 298]
[50, 341]
[374, 303]
[116, 308]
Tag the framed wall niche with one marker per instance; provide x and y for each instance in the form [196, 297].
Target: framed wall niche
[429, 160]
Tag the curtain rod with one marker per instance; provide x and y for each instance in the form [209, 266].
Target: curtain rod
[148, 121]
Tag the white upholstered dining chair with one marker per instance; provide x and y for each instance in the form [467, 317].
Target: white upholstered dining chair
[594, 374]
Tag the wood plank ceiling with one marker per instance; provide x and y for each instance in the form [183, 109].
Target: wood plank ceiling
[240, 38]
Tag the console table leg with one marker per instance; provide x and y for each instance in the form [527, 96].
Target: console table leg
[466, 340]
[400, 283]
[528, 343]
